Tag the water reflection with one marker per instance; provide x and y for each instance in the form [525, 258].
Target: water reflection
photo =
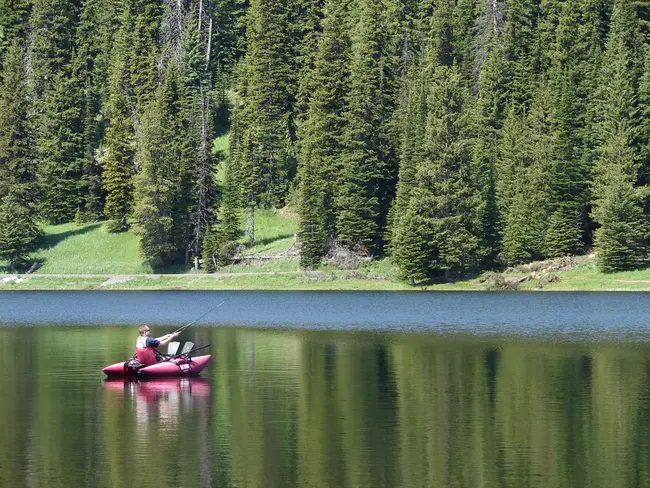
[326, 409]
[161, 400]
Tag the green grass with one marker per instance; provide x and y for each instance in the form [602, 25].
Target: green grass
[42, 282]
[293, 281]
[587, 277]
[220, 144]
[274, 231]
[88, 249]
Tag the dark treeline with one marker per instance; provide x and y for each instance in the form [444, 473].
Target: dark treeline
[453, 135]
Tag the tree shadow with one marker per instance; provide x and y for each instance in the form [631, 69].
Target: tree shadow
[172, 269]
[48, 241]
[269, 240]
[447, 280]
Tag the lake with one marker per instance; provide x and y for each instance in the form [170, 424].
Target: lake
[330, 390]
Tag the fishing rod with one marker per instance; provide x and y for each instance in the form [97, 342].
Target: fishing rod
[181, 329]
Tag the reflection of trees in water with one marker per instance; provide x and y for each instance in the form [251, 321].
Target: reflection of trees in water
[317, 408]
[332, 409]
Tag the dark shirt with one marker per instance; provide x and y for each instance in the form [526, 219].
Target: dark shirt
[152, 342]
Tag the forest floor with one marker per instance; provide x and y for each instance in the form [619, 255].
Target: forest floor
[87, 256]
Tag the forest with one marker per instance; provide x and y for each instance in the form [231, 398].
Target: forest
[451, 135]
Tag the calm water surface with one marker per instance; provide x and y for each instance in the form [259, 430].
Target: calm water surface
[330, 390]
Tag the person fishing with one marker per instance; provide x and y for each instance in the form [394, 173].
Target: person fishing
[145, 346]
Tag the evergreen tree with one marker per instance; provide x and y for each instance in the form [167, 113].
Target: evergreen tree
[522, 183]
[266, 92]
[437, 235]
[59, 146]
[569, 172]
[161, 217]
[18, 224]
[198, 111]
[14, 16]
[94, 39]
[411, 148]
[519, 44]
[320, 136]
[312, 234]
[144, 51]
[59, 126]
[369, 162]
[220, 241]
[488, 120]
[616, 199]
[229, 42]
[117, 163]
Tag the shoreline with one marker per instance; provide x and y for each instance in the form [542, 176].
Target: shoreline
[297, 281]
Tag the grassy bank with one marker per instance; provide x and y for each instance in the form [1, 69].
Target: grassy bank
[84, 257]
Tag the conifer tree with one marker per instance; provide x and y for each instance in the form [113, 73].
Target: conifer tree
[411, 148]
[312, 234]
[568, 169]
[94, 39]
[59, 127]
[161, 217]
[144, 51]
[198, 110]
[18, 224]
[369, 162]
[117, 163]
[619, 240]
[266, 89]
[220, 241]
[437, 235]
[519, 44]
[488, 121]
[14, 17]
[521, 186]
[320, 136]
[229, 42]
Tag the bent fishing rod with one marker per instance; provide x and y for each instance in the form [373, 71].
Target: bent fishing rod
[181, 329]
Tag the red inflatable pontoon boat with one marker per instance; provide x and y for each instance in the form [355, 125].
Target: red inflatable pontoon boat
[177, 366]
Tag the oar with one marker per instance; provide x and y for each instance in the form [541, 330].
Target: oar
[181, 329]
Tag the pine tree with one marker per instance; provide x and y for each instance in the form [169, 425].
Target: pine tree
[220, 241]
[369, 161]
[14, 16]
[94, 39]
[59, 146]
[488, 120]
[569, 173]
[161, 217]
[198, 111]
[616, 204]
[441, 209]
[117, 163]
[144, 52]
[18, 224]
[320, 136]
[229, 42]
[265, 97]
[411, 148]
[519, 44]
[522, 183]
[59, 127]
[312, 234]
